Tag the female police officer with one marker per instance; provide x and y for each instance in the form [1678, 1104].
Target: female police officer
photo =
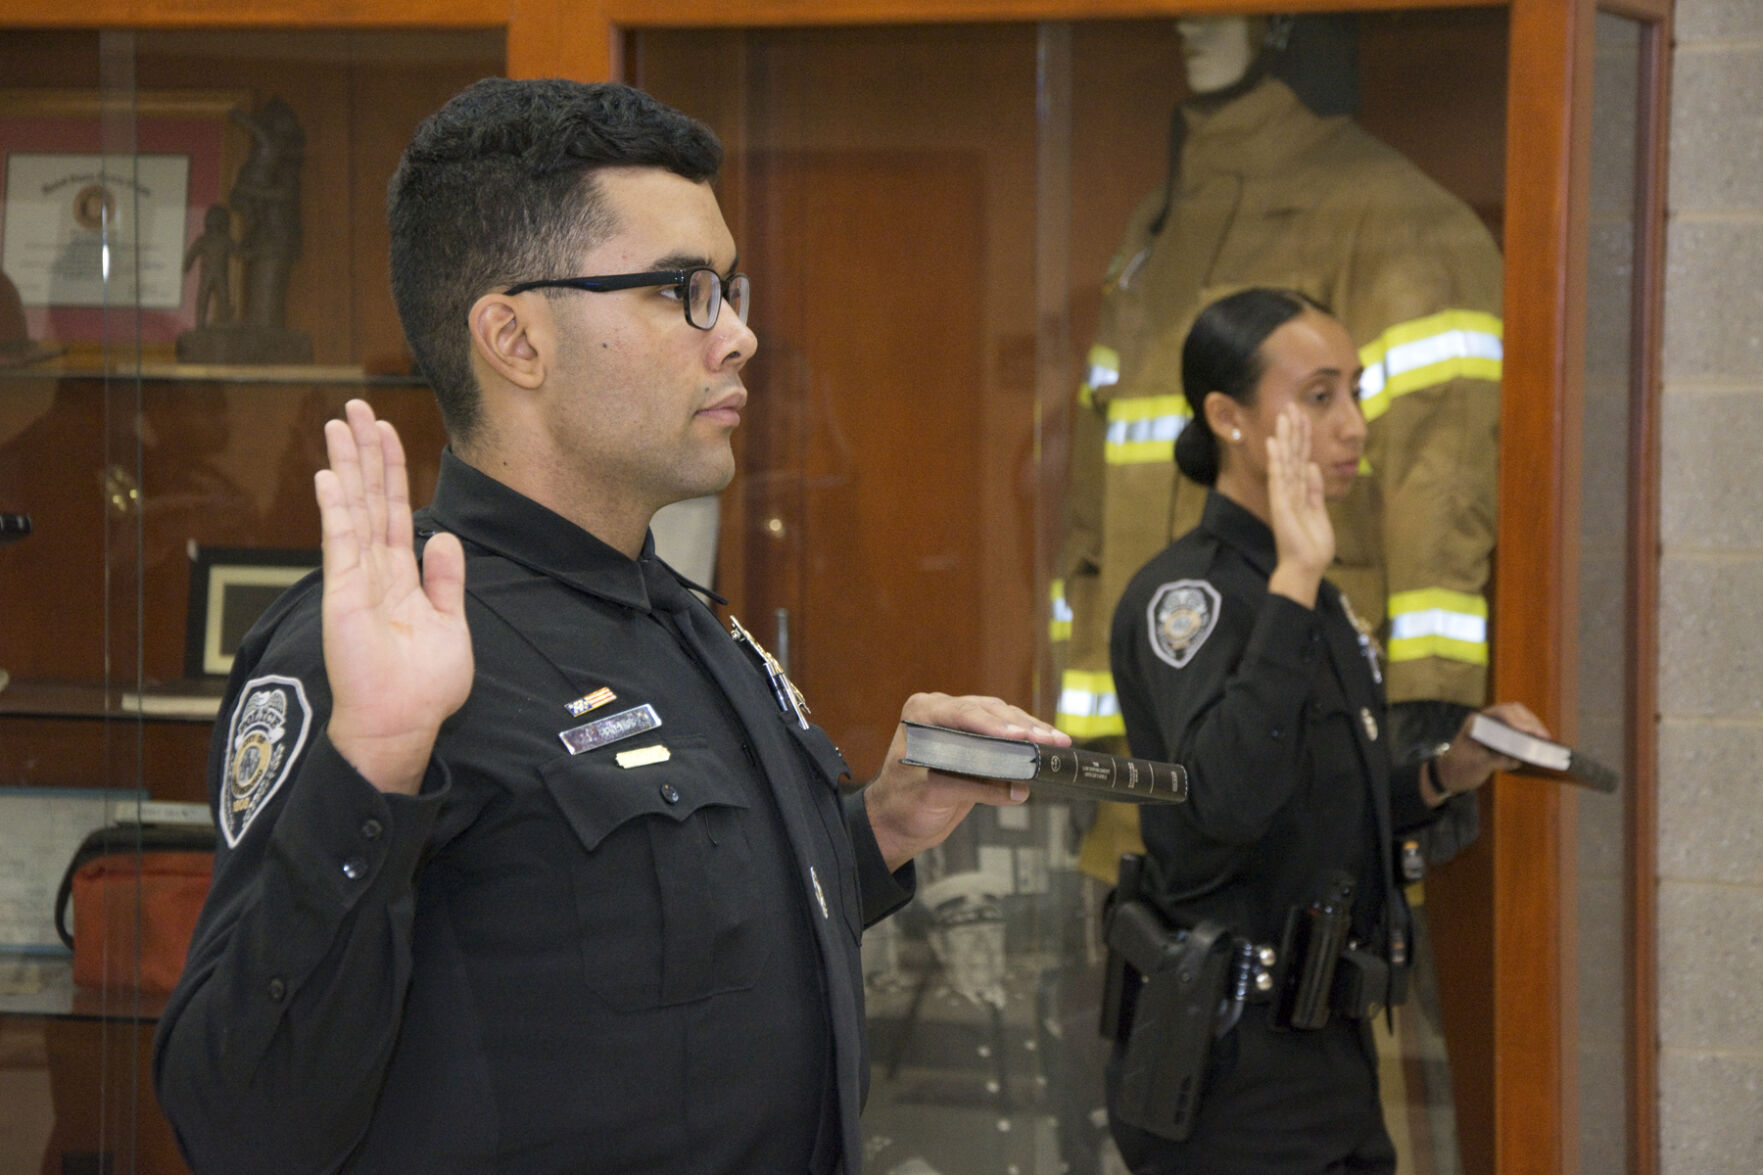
[1235, 657]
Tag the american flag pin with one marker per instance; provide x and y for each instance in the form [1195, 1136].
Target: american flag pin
[592, 701]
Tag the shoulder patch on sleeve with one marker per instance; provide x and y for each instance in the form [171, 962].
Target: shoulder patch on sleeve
[1182, 615]
[264, 739]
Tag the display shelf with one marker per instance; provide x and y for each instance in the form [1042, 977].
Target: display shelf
[232, 373]
[43, 986]
[183, 701]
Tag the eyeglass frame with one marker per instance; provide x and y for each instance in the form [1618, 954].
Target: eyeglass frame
[680, 279]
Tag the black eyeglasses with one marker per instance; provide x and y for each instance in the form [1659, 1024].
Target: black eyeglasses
[703, 290]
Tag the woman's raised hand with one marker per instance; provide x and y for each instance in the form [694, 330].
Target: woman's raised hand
[1302, 532]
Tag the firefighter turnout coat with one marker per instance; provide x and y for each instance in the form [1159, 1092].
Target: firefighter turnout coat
[1270, 194]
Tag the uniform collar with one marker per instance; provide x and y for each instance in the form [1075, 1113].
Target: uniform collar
[1258, 133]
[488, 514]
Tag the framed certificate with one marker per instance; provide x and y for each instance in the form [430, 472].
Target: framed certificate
[99, 200]
[95, 230]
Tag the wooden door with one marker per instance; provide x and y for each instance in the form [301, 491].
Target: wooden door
[862, 489]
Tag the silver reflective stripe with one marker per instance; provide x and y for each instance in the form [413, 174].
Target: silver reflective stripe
[1457, 626]
[1443, 346]
[1152, 429]
[1087, 703]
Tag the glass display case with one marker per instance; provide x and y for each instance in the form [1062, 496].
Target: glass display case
[933, 271]
[195, 254]
[933, 200]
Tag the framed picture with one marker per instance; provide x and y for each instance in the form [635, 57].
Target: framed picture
[230, 587]
[101, 196]
[40, 828]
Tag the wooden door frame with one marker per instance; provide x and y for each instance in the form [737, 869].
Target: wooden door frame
[1546, 182]
[1536, 580]
[1640, 833]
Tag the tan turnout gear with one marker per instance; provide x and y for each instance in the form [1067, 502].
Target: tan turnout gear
[1270, 194]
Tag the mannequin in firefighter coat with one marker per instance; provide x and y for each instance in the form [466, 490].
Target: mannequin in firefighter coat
[1264, 192]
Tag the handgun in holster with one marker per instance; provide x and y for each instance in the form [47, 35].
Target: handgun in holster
[1162, 994]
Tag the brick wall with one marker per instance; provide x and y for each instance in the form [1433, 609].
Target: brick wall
[1711, 600]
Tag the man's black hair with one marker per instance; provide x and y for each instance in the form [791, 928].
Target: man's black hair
[498, 187]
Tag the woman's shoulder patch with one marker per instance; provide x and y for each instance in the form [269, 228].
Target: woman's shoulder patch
[264, 739]
[1182, 615]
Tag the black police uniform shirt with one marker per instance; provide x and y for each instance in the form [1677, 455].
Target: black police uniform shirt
[639, 957]
[1277, 712]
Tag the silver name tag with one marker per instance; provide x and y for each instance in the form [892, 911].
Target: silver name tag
[609, 729]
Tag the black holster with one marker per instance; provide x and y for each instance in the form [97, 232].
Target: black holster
[1363, 985]
[1310, 950]
[1161, 998]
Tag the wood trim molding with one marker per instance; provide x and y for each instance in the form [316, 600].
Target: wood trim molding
[252, 14]
[1646, 11]
[221, 14]
[736, 13]
[1641, 834]
[1536, 582]
[554, 38]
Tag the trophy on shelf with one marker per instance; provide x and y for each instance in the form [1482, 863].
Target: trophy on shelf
[16, 347]
[266, 199]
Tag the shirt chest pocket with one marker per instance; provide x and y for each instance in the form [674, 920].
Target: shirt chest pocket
[662, 887]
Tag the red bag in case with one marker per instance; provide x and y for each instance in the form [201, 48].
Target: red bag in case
[135, 890]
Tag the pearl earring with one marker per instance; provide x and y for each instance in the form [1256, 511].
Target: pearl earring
[1236, 434]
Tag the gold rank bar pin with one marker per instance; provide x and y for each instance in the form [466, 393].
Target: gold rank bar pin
[643, 756]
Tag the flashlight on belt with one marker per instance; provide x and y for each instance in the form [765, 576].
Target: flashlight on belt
[1314, 937]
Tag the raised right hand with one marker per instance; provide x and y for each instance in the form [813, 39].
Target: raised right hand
[1303, 536]
[396, 647]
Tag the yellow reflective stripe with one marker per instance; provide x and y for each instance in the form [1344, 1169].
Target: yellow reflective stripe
[1421, 647]
[1453, 344]
[1422, 599]
[1438, 622]
[1144, 428]
[1059, 628]
[1081, 726]
[1102, 370]
[1088, 706]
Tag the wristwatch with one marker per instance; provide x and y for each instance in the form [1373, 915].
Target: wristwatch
[1438, 782]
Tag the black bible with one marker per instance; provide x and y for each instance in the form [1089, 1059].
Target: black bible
[1541, 756]
[1068, 771]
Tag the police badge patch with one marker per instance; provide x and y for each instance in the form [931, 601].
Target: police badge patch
[264, 741]
[1182, 616]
